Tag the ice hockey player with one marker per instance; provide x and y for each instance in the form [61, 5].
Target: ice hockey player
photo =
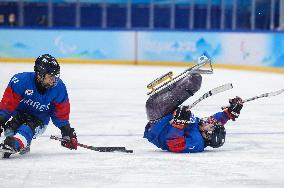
[182, 132]
[28, 103]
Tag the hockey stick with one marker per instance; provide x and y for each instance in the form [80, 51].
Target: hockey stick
[271, 94]
[100, 149]
[212, 92]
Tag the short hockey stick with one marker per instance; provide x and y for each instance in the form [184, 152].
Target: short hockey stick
[214, 91]
[271, 94]
[100, 149]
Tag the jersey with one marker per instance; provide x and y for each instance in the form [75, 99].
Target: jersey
[21, 95]
[189, 140]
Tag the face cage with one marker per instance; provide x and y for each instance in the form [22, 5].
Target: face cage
[56, 78]
[208, 136]
[205, 134]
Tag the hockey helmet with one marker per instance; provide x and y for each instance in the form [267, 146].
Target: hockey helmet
[214, 138]
[47, 64]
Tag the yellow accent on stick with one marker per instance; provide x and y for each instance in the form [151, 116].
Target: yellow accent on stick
[167, 76]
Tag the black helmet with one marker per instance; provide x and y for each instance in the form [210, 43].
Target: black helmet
[47, 64]
[216, 137]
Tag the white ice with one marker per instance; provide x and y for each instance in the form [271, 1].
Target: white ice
[108, 109]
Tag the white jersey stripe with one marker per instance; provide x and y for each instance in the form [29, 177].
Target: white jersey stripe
[22, 138]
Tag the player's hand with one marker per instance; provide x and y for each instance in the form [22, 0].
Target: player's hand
[236, 104]
[70, 141]
[181, 117]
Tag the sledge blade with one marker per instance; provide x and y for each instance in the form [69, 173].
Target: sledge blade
[202, 61]
[159, 80]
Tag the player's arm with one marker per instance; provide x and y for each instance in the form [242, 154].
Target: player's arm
[212, 128]
[176, 140]
[10, 100]
[232, 112]
[60, 118]
[12, 96]
[179, 143]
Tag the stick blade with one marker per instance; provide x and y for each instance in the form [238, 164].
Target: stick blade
[276, 92]
[214, 91]
[222, 88]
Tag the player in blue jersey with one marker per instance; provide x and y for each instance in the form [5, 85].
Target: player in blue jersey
[30, 100]
[182, 132]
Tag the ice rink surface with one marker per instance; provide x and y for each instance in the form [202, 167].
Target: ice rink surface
[108, 109]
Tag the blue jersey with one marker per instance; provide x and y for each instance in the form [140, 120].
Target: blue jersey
[190, 139]
[21, 95]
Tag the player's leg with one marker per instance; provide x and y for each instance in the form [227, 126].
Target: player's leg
[20, 141]
[168, 99]
[21, 137]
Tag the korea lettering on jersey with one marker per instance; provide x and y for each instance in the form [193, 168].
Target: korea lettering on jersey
[21, 95]
[35, 105]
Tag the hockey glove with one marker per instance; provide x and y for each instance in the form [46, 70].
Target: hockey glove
[181, 117]
[236, 104]
[69, 137]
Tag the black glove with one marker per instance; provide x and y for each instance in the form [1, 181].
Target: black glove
[69, 137]
[181, 117]
[236, 104]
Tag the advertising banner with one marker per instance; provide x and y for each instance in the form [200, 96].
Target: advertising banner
[99, 45]
[262, 49]
[230, 48]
